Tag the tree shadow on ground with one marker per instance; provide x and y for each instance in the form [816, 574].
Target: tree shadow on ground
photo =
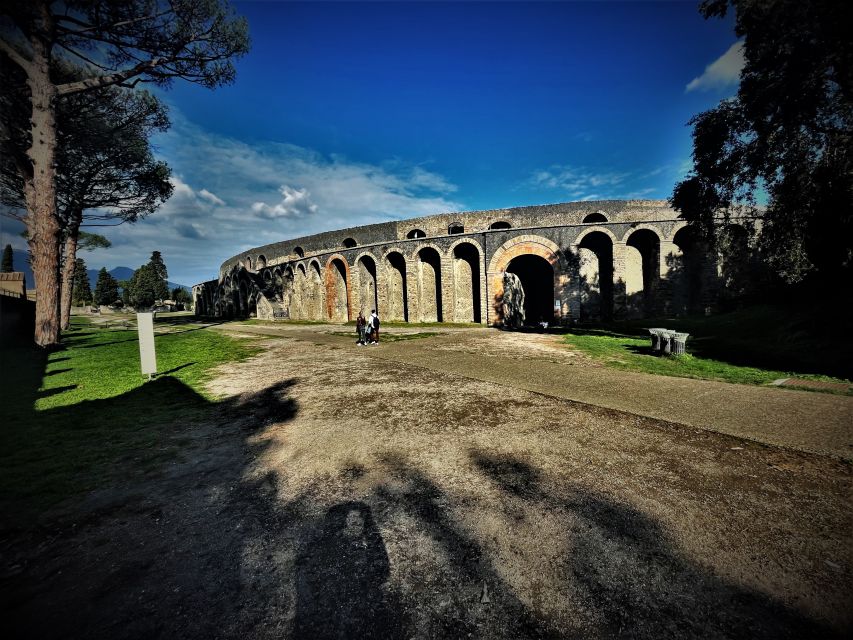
[640, 584]
[467, 564]
[158, 548]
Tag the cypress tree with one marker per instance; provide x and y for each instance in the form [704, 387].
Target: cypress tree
[8, 265]
[81, 290]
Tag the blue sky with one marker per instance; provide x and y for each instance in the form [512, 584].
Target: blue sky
[345, 114]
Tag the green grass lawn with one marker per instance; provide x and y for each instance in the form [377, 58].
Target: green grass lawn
[752, 346]
[74, 417]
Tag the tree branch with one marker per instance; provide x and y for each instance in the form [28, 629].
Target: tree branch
[15, 56]
[103, 81]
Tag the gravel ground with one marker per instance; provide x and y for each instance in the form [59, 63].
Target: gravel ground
[349, 492]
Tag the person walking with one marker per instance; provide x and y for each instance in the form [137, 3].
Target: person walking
[361, 329]
[374, 327]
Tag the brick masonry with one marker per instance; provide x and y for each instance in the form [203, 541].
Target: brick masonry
[458, 277]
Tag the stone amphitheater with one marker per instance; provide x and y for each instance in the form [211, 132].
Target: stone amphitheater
[558, 263]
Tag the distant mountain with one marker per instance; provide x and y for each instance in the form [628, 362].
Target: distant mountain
[22, 263]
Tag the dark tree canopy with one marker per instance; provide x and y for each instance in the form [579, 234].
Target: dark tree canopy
[159, 266]
[106, 288]
[81, 289]
[148, 284]
[8, 260]
[782, 149]
[105, 170]
[115, 43]
[143, 287]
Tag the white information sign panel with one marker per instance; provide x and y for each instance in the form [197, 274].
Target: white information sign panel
[147, 356]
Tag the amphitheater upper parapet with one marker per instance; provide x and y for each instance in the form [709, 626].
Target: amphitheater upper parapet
[465, 222]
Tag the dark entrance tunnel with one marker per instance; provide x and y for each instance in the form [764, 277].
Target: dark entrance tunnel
[537, 279]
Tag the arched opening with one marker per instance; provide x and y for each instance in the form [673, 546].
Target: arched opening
[242, 302]
[398, 294]
[416, 233]
[737, 270]
[367, 294]
[253, 307]
[456, 227]
[284, 286]
[299, 294]
[315, 305]
[266, 274]
[429, 280]
[248, 263]
[686, 268]
[349, 243]
[466, 283]
[500, 224]
[528, 290]
[337, 297]
[642, 272]
[261, 262]
[299, 251]
[596, 277]
[594, 217]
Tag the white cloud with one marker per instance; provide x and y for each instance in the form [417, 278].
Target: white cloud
[723, 72]
[212, 198]
[578, 183]
[230, 196]
[295, 204]
[582, 184]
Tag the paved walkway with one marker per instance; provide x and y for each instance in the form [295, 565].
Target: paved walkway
[807, 421]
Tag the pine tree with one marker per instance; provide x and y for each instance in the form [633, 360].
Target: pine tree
[106, 289]
[158, 269]
[81, 290]
[8, 260]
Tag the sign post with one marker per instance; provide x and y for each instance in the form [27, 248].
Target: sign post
[147, 356]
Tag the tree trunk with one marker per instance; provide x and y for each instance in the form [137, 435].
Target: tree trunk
[43, 224]
[68, 269]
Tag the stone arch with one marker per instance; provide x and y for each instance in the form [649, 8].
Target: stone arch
[592, 218]
[315, 296]
[427, 260]
[736, 266]
[416, 233]
[687, 271]
[260, 262]
[678, 226]
[466, 257]
[243, 298]
[396, 285]
[596, 269]
[367, 295]
[455, 228]
[349, 243]
[642, 270]
[284, 286]
[338, 288]
[498, 225]
[523, 245]
[300, 293]
[299, 251]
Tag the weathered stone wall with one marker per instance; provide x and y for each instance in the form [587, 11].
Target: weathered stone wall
[638, 261]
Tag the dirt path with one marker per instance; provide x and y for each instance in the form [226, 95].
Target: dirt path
[801, 420]
[342, 492]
